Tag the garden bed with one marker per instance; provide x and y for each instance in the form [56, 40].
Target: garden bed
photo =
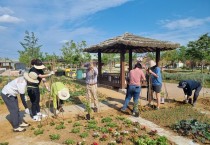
[108, 128]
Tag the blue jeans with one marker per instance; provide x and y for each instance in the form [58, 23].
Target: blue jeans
[133, 91]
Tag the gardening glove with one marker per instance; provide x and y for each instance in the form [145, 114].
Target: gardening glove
[51, 73]
[27, 111]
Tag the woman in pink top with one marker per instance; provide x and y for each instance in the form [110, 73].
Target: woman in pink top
[136, 76]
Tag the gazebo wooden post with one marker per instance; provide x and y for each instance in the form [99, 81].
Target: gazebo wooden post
[99, 66]
[122, 69]
[130, 59]
[157, 56]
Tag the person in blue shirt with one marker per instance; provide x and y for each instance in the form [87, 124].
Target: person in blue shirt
[156, 78]
[188, 86]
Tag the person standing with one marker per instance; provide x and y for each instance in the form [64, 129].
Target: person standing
[33, 88]
[91, 85]
[9, 95]
[188, 86]
[136, 76]
[156, 79]
[59, 92]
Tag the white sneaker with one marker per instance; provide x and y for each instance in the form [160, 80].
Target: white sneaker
[41, 115]
[57, 111]
[19, 129]
[36, 118]
[24, 124]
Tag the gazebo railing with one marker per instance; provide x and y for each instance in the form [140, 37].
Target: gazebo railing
[111, 79]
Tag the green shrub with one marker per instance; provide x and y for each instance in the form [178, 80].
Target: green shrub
[75, 130]
[69, 141]
[38, 131]
[84, 135]
[54, 136]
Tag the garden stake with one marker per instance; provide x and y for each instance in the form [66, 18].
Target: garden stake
[150, 92]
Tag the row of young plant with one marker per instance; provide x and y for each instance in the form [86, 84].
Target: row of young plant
[107, 130]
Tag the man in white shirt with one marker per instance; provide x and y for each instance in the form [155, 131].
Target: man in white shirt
[9, 95]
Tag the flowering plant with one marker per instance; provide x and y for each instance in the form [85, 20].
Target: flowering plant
[116, 134]
[96, 134]
[104, 137]
[120, 140]
[110, 130]
[94, 143]
[113, 142]
[124, 132]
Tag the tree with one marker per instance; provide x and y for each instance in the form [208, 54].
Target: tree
[170, 56]
[31, 49]
[73, 53]
[200, 49]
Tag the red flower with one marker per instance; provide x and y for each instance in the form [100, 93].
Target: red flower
[94, 143]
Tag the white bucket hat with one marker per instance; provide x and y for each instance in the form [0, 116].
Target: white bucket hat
[152, 63]
[63, 94]
[31, 77]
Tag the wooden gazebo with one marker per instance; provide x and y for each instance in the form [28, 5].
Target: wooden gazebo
[127, 43]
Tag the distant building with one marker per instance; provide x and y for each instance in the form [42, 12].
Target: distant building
[179, 64]
[5, 63]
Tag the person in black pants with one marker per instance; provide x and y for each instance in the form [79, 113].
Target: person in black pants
[188, 86]
[33, 88]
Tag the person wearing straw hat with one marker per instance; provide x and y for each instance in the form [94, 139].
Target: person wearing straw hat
[91, 85]
[9, 95]
[156, 78]
[59, 92]
[33, 88]
[188, 86]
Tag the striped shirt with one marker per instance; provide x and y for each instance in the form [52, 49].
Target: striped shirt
[91, 76]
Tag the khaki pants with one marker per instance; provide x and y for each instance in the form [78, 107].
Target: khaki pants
[92, 94]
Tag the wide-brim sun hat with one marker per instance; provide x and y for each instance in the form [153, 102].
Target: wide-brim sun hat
[63, 94]
[152, 63]
[38, 64]
[31, 77]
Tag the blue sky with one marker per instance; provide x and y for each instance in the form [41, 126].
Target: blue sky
[57, 21]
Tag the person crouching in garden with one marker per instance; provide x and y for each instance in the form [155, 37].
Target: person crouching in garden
[91, 85]
[156, 78]
[136, 76]
[33, 88]
[188, 86]
[9, 95]
[59, 92]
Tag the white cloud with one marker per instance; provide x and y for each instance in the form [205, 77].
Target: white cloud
[2, 28]
[81, 8]
[184, 23]
[9, 19]
[178, 36]
[5, 10]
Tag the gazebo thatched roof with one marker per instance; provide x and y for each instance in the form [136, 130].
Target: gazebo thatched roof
[129, 41]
